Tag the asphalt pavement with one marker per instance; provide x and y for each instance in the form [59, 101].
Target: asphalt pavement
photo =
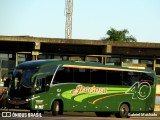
[17, 114]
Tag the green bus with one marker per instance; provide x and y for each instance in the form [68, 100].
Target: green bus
[57, 86]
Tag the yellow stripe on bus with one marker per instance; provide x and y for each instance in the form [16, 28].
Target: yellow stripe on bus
[105, 97]
[102, 68]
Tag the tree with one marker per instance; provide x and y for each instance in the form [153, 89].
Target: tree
[115, 35]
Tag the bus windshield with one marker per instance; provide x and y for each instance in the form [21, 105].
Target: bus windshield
[25, 79]
[24, 76]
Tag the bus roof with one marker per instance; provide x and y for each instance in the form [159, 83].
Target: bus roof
[76, 64]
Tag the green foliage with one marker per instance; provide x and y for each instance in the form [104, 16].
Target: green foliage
[119, 35]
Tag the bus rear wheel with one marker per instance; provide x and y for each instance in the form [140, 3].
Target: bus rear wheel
[55, 108]
[123, 111]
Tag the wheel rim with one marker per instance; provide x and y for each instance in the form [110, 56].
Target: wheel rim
[57, 108]
[124, 111]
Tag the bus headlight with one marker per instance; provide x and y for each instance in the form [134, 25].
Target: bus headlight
[28, 100]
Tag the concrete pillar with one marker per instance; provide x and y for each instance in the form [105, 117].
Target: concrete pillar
[154, 64]
[35, 52]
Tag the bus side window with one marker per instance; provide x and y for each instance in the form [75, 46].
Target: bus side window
[63, 75]
[129, 78]
[114, 77]
[68, 75]
[81, 75]
[59, 76]
[126, 79]
[98, 76]
[147, 77]
[134, 77]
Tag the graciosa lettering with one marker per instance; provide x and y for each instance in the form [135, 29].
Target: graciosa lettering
[139, 90]
[83, 89]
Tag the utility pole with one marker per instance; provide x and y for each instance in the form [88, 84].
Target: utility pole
[68, 26]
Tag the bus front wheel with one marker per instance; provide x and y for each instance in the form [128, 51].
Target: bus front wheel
[55, 108]
[123, 111]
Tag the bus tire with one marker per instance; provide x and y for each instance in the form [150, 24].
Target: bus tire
[123, 111]
[102, 114]
[55, 108]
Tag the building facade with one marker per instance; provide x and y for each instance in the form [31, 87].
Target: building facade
[17, 49]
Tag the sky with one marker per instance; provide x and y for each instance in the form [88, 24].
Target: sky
[91, 18]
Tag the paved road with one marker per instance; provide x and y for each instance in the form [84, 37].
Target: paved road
[23, 114]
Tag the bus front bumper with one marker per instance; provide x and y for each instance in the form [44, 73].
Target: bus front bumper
[17, 102]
